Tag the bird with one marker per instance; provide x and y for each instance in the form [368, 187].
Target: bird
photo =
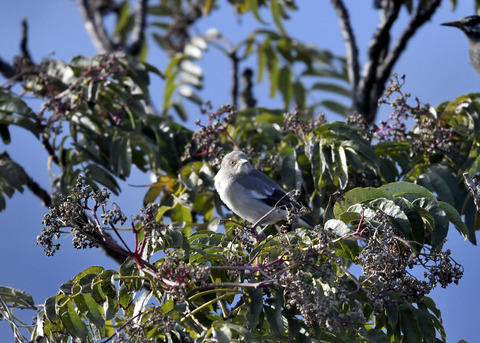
[251, 194]
[470, 26]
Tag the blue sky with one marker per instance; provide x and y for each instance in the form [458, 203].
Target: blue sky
[436, 64]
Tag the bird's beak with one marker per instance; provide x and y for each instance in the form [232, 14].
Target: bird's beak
[452, 23]
[242, 166]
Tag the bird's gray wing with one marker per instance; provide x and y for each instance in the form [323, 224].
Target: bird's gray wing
[261, 187]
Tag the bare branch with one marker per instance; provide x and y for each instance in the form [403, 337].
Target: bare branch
[138, 34]
[246, 96]
[421, 15]
[93, 22]
[24, 41]
[39, 192]
[234, 93]
[382, 59]
[10, 70]
[353, 66]
[364, 100]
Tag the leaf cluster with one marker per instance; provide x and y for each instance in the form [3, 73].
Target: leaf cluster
[186, 279]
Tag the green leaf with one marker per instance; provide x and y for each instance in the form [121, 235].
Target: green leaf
[291, 172]
[93, 270]
[151, 68]
[50, 309]
[16, 298]
[89, 309]
[274, 72]
[439, 216]
[338, 227]
[188, 93]
[10, 105]
[255, 302]
[300, 94]
[181, 111]
[124, 22]
[170, 81]
[276, 13]
[335, 107]
[408, 324]
[415, 219]
[285, 85]
[425, 326]
[395, 214]
[181, 214]
[274, 317]
[397, 189]
[441, 180]
[70, 318]
[261, 63]
[253, 4]
[12, 177]
[392, 314]
[7, 119]
[170, 87]
[341, 168]
[97, 173]
[356, 196]
[332, 88]
[5, 134]
[25, 118]
[140, 306]
[376, 336]
[455, 218]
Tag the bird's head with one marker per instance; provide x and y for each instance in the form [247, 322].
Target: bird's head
[236, 162]
[469, 25]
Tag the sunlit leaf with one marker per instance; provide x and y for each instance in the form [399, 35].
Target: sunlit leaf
[276, 13]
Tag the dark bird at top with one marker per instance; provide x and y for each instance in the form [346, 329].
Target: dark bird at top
[471, 28]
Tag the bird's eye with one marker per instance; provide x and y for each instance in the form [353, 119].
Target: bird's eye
[232, 162]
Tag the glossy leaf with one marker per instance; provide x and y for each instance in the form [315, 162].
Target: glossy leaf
[17, 298]
[439, 216]
[355, 196]
[396, 189]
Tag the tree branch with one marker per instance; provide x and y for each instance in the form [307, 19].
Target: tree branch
[234, 93]
[10, 70]
[138, 34]
[364, 100]
[382, 59]
[419, 18]
[247, 98]
[39, 192]
[353, 66]
[24, 41]
[93, 21]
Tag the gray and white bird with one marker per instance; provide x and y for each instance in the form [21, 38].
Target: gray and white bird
[251, 194]
[470, 26]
